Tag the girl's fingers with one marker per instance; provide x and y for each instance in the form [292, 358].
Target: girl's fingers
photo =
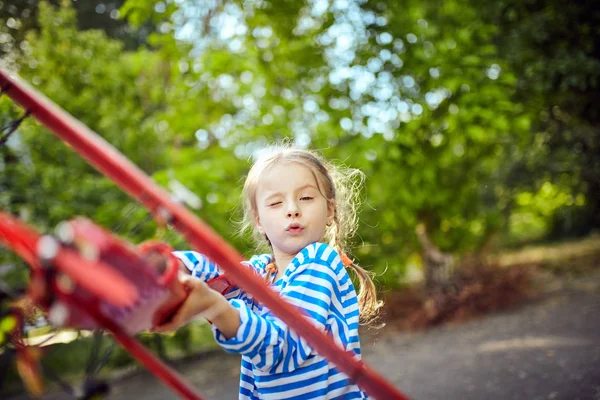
[192, 306]
[186, 312]
[177, 321]
[191, 282]
[163, 328]
[184, 278]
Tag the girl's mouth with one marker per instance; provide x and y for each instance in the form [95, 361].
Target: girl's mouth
[295, 229]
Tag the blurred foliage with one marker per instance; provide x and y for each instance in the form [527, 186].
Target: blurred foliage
[474, 119]
[554, 49]
[21, 16]
[43, 180]
[70, 360]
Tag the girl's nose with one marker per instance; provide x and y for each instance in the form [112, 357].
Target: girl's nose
[292, 210]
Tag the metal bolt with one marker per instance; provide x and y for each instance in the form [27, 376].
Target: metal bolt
[47, 248]
[65, 232]
[58, 314]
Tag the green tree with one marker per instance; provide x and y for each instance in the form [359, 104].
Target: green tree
[18, 17]
[554, 48]
[414, 94]
[434, 102]
[90, 76]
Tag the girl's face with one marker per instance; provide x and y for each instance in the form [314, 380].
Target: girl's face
[291, 210]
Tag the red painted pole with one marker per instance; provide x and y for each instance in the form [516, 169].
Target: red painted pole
[165, 373]
[136, 183]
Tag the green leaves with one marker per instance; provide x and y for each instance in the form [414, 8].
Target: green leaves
[452, 110]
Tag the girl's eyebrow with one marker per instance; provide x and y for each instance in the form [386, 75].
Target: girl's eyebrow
[272, 195]
[307, 186]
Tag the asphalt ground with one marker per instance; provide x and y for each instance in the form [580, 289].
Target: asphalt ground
[548, 348]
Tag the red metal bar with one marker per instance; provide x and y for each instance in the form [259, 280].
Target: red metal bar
[201, 237]
[93, 276]
[24, 241]
[168, 375]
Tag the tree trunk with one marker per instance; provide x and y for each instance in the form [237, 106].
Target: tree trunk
[438, 266]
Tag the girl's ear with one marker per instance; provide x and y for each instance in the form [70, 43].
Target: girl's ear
[257, 223]
[330, 211]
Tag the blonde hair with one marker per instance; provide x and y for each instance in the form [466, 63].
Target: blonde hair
[340, 186]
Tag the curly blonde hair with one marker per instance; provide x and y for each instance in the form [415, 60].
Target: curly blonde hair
[340, 186]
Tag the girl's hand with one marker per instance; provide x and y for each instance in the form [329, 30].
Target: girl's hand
[205, 302]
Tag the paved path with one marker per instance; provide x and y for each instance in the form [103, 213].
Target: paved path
[547, 349]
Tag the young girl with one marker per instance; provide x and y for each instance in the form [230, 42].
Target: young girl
[293, 201]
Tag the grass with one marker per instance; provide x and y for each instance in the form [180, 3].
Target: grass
[70, 360]
[568, 257]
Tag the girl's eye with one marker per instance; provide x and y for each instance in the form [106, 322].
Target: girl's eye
[274, 204]
[306, 198]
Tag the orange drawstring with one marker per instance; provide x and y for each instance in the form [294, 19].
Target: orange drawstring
[271, 270]
[346, 260]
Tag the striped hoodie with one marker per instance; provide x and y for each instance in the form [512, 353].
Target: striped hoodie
[276, 362]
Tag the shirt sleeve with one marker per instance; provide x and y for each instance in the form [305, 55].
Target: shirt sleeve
[198, 264]
[270, 344]
[204, 268]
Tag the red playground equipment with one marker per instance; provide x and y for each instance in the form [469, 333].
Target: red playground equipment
[71, 273]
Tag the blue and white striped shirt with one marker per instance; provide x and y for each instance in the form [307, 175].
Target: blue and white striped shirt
[276, 362]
